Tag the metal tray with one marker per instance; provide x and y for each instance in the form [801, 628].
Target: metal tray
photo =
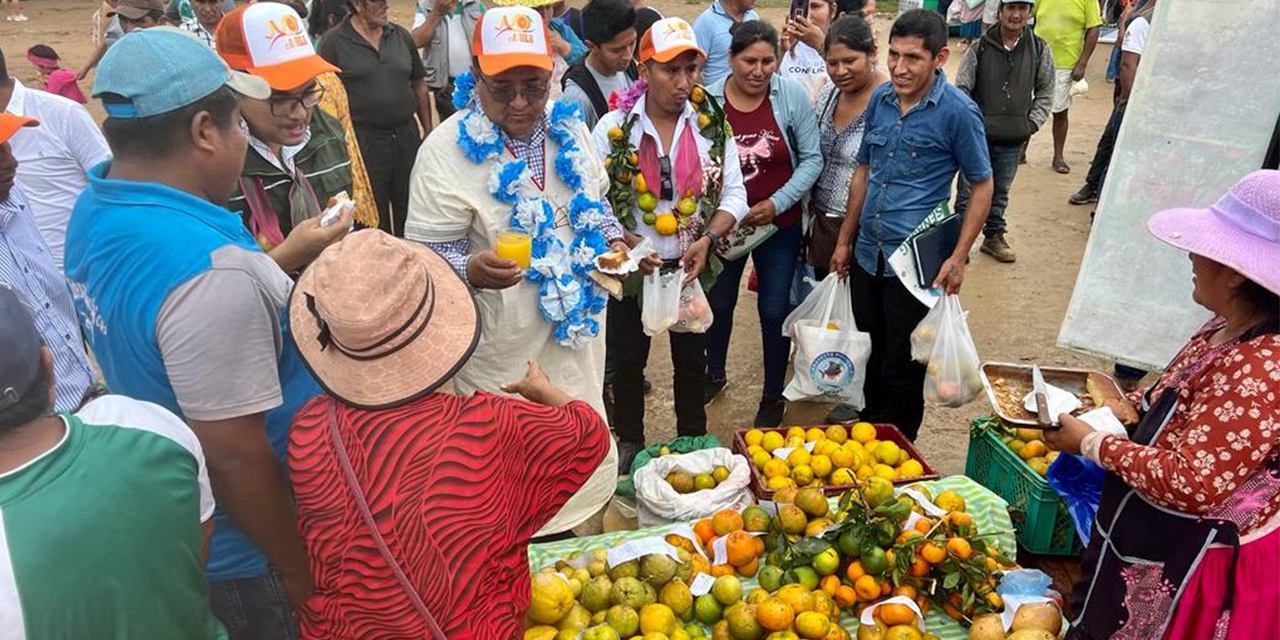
[1068, 379]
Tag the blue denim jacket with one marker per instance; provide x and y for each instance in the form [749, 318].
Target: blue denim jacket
[913, 160]
[795, 116]
[576, 47]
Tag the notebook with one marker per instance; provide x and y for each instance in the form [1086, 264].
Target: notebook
[933, 246]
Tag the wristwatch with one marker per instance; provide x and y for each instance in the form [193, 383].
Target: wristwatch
[715, 239]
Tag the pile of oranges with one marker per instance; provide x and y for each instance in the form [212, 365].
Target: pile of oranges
[743, 550]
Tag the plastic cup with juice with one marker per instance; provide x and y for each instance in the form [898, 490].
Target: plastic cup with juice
[515, 245]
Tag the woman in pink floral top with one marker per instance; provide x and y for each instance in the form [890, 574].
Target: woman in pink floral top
[1186, 542]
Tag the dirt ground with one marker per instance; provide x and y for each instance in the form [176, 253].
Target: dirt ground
[1015, 310]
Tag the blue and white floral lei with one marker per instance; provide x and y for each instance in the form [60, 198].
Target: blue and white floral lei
[567, 296]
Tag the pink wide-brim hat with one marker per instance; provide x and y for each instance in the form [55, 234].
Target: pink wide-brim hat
[382, 321]
[1241, 230]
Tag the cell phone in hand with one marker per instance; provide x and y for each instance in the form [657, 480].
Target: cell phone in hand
[798, 8]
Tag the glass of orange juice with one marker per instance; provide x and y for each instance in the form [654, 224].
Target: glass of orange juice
[515, 245]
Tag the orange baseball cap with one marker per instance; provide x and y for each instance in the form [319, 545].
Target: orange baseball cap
[269, 40]
[666, 39]
[509, 37]
[10, 123]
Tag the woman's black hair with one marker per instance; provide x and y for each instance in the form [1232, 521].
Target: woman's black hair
[43, 51]
[750, 32]
[851, 31]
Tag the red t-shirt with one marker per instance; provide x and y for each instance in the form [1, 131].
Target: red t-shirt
[458, 486]
[764, 155]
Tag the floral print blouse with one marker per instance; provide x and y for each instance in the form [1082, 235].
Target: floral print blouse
[1225, 428]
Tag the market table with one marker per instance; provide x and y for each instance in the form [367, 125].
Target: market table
[990, 513]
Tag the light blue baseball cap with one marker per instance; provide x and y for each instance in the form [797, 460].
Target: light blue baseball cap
[163, 69]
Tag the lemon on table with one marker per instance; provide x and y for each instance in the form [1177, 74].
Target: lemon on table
[814, 434]
[793, 432]
[910, 469]
[821, 466]
[776, 467]
[802, 474]
[761, 458]
[842, 457]
[753, 437]
[887, 472]
[887, 452]
[780, 482]
[837, 433]
[798, 457]
[771, 440]
[795, 441]
[843, 475]
[864, 432]
[864, 472]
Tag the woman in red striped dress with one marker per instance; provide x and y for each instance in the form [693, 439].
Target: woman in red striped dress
[416, 507]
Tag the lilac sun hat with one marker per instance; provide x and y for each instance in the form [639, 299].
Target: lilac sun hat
[1241, 230]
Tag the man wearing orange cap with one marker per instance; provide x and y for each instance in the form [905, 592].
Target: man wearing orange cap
[297, 159]
[509, 173]
[691, 196]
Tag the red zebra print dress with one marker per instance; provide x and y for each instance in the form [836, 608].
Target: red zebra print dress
[458, 486]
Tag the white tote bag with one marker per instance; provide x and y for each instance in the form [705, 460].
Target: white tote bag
[830, 356]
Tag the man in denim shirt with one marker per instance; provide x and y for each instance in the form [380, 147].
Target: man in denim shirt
[920, 130]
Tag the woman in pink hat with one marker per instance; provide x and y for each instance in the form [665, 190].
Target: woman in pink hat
[1186, 541]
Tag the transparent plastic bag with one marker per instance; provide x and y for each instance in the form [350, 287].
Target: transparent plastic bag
[661, 300]
[925, 332]
[830, 356]
[694, 315]
[951, 377]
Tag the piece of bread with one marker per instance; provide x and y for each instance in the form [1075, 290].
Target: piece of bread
[1105, 394]
[340, 196]
[612, 260]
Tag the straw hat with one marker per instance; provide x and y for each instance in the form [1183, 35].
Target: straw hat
[382, 321]
[1241, 230]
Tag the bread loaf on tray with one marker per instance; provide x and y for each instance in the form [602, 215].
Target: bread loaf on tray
[1104, 394]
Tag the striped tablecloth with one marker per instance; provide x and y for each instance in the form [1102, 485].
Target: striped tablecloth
[989, 511]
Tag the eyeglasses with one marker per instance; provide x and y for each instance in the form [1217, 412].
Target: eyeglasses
[285, 106]
[506, 93]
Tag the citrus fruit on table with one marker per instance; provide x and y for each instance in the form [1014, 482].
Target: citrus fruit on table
[807, 576]
[864, 432]
[876, 490]
[903, 632]
[841, 476]
[837, 433]
[798, 457]
[726, 521]
[887, 452]
[776, 467]
[949, 501]
[821, 465]
[657, 618]
[827, 562]
[666, 224]
[910, 468]
[551, 599]
[874, 561]
[775, 614]
[812, 625]
[772, 440]
[895, 614]
[753, 437]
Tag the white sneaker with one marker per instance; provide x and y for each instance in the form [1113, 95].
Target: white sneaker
[20, 18]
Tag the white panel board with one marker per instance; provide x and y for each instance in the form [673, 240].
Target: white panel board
[1203, 108]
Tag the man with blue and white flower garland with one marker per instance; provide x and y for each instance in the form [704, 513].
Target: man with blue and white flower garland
[509, 161]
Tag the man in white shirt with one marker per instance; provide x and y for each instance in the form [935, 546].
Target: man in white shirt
[53, 158]
[675, 206]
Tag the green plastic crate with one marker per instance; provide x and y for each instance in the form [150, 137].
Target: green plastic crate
[1040, 516]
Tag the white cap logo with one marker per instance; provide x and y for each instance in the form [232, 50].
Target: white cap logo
[513, 30]
[673, 33]
[275, 35]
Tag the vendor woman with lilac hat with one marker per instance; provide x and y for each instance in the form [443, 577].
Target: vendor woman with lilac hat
[1186, 542]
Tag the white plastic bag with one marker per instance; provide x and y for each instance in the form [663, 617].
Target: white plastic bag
[925, 332]
[830, 356]
[657, 503]
[952, 378]
[695, 314]
[661, 299]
